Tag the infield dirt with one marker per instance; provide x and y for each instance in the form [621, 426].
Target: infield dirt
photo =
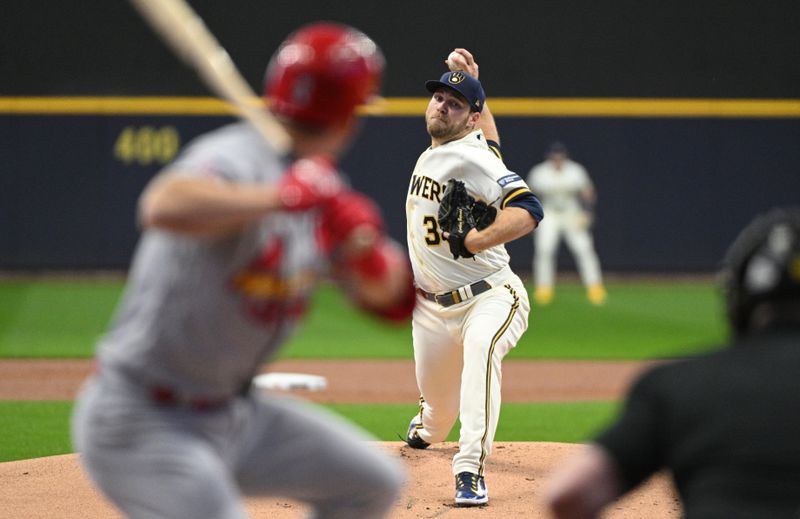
[517, 472]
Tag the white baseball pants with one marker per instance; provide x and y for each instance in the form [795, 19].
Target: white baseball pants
[578, 239]
[458, 352]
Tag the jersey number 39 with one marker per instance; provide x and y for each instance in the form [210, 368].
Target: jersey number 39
[433, 236]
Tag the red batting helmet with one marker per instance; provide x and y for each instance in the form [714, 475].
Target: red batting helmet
[322, 72]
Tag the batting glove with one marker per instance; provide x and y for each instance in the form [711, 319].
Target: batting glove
[309, 182]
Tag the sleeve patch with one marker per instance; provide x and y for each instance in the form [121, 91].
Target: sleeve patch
[508, 179]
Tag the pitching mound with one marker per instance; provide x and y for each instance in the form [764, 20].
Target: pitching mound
[55, 488]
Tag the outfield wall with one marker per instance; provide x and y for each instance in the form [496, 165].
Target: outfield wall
[672, 191]
[686, 114]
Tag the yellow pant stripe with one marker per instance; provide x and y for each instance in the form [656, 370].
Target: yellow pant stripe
[496, 338]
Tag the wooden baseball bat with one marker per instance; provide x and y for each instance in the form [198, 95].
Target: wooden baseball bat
[184, 31]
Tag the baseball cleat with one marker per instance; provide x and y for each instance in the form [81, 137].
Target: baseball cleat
[543, 295]
[412, 439]
[597, 294]
[470, 490]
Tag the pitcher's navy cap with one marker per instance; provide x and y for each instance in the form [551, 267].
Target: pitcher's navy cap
[466, 85]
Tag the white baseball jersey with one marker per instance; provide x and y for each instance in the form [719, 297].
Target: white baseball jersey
[560, 193]
[559, 190]
[458, 348]
[470, 160]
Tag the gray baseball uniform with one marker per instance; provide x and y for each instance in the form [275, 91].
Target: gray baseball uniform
[168, 427]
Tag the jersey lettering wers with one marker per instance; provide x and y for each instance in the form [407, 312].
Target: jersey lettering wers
[470, 160]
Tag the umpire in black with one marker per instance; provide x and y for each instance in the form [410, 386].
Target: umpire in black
[726, 424]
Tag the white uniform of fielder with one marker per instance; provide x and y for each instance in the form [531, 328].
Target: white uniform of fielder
[561, 185]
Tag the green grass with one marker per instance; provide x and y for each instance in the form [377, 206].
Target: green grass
[37, 429]
[34, 429]
[65, 318]
[336, 329]
[551, 421]
[54, 318]
[641, 320]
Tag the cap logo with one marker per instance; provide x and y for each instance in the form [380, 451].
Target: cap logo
[456, 78]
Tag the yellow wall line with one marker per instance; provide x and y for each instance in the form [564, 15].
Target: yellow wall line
[415, 106]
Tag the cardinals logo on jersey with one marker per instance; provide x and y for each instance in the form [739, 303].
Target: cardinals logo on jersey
[267, 294]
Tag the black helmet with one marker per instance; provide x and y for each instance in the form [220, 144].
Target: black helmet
[762, 265]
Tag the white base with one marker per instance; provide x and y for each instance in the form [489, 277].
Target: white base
[290, 381]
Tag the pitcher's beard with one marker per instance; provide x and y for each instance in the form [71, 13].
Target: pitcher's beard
[440, 130]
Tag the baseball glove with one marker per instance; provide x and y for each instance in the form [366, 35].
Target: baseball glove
[455, 216]
[483, 214]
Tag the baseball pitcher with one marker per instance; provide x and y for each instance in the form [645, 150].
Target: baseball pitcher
[462, 206]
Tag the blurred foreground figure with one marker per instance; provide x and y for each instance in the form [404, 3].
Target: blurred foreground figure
[235, 237]
[725, 424]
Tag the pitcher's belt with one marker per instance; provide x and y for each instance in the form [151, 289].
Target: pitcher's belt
[458, 295]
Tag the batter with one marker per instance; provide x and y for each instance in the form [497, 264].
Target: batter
[471, 311]
[235, 238]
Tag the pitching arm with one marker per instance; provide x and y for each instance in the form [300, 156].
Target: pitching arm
[488, 125]
[464, 60]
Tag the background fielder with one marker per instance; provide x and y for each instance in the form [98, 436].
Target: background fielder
[233, 245]
[471, 310]
[568, 197]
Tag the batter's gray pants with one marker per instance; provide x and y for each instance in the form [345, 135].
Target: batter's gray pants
[170, 462]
